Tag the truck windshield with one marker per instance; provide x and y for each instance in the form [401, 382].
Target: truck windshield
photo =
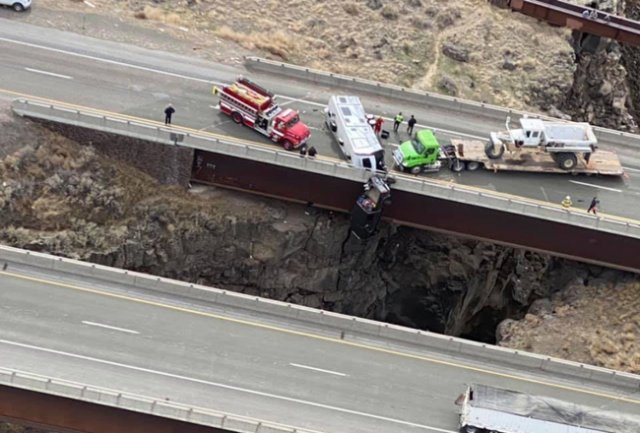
[291, 122]
[417, 146]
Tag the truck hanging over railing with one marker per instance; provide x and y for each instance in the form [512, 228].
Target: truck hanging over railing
[252, 105]
[487, 409]
[367, 211]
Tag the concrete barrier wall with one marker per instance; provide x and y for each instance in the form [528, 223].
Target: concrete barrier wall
[140, 404]
[339, 326]
[429, 99]
[325, 166]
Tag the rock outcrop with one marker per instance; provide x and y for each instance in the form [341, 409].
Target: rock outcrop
[594, 321]
[631, 61]
[600, 91]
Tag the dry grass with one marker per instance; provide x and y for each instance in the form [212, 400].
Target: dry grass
[163, 16]
[278, 43]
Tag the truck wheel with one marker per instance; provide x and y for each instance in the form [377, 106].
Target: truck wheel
[567, 161]
[457, 166]
[17, 7]
[491, 151]
[237, 117]
[473, 165]
[287, 145]
[416, 170]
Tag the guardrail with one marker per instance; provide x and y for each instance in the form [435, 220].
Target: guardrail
[325, 166]
[142, 404]
[338, 326]
[429, 99]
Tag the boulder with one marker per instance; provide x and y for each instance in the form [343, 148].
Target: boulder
[455, 52]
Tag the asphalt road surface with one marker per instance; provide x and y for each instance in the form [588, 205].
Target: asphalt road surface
[75, 69]
[120, 338]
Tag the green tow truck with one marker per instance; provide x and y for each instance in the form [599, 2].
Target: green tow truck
[423, 154]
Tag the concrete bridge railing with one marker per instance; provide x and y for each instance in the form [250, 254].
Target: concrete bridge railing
[148, 405]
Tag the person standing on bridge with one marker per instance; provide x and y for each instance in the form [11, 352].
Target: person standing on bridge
[397, 121]
[410, 124]
[168, 112]
[593, 207]
[377, 128]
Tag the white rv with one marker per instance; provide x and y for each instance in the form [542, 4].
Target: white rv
[346, 119]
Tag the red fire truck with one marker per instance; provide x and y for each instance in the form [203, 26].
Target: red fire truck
[252, 105]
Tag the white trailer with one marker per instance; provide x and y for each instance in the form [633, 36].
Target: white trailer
[563, 141]
[346, 119]
[487, 409]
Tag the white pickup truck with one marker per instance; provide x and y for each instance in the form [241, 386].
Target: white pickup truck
[565, 142]
[17, 5]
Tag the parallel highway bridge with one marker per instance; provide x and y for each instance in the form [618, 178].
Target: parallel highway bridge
[102, 350]
[562, 13]
[333, 184]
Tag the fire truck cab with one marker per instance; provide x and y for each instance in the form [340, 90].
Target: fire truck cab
[251, 105]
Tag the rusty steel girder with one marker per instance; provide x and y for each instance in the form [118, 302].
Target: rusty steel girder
[561, 13]
[578, 243]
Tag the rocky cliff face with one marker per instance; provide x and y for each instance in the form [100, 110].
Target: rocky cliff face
[606, 79]
[598, 320]
[600, 92]
[631, 61]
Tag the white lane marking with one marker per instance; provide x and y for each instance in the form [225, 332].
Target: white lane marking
[595, 186]
[544, 193]
[113, 328]
[112, 62]
[286, 103]
[224, 386]
[215, 107]
[631, 169]
[321, 370]
[89, 4]
[51, 74]
[302, 101]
